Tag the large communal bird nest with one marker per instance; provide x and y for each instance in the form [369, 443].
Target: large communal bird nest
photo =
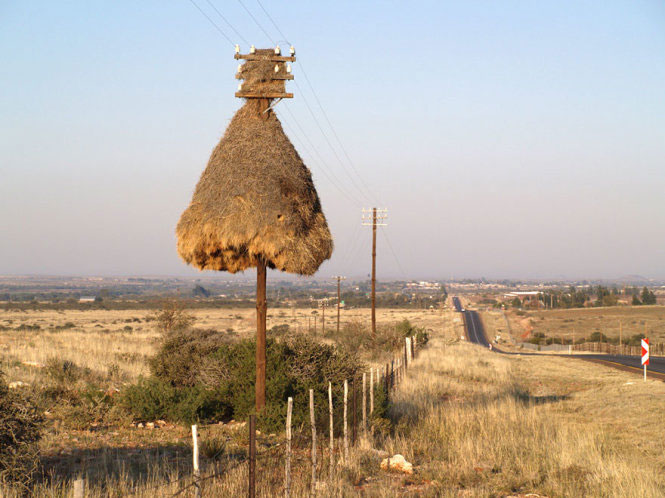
[255, 203]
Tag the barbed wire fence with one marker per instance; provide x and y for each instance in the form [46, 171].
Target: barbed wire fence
[348, 417]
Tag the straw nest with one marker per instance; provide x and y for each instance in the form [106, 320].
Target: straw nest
[259, 75]
[255, 202]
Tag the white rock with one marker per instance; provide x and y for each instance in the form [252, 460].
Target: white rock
[17, 384]
[397, 464]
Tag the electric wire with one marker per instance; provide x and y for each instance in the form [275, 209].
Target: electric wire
[273, 22]
[256, 22]
[325, 136]
[367, 191]
[332, 128]
[323, 169]
[390, 246]
[212, 22]
[228, 23]
[338, 183]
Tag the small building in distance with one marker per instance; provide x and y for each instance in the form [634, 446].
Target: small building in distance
[87, 299]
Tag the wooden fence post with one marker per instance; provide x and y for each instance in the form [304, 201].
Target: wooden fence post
[312, 422]
[364, 403]
[346, 426]
[332, 439]
[252, 456]
[195, 462]
[371, 391]
[354, 410]
[287, 470]
[78, 488]
[406, 353]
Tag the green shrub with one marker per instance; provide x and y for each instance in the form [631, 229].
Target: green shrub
[64, 371]
[184, 356]
[20, 424]
[149, 399]
[202, 376]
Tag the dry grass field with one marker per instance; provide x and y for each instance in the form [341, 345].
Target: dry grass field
[473, 423]
[122, 340]
[579, 323]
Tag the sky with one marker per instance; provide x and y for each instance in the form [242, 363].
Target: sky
[511, 139]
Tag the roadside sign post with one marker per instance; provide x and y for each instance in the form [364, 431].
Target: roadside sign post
[645, 356]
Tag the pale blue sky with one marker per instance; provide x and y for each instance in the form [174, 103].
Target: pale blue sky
[507, 138]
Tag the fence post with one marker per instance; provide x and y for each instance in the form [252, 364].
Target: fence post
[415, 344]
[195, 462]
[312, 422]
[386, 380]
[287, 470]
[78, 488]
[364, 404]
[354, 411]
[332, 439]
[252, 456]
[346, 427]
[371, 391]
[406, 353]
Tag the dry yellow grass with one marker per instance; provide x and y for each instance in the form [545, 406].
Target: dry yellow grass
[585, 321]
[485, 424]
[474, 423]
[102, 339]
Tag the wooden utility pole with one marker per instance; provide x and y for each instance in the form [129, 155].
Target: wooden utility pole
[261, 92]
[377, 215]
[339, 296]
[261, 314]
[324, 303]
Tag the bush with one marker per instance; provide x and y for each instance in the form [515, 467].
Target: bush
[154, 399]
[202, 376]
[184, 358]
[19, 435]
[173, 318]
[355, 336]
[64, 371]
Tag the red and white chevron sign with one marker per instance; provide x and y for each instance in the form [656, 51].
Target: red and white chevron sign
[645, 351]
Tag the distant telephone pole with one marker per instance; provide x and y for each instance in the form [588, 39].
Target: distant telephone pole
[339, 278]
[374, 218]
[323, 304]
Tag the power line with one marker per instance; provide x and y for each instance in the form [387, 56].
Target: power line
[325, 136]
[332, 128]
[325, 115]
[390, 246]
[256, 22]
[212, 22]
[273, 22]
[336, 181]
[227, 22]
[341, 190]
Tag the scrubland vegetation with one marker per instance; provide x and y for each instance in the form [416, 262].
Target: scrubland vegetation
[473, 423]
[630, 323]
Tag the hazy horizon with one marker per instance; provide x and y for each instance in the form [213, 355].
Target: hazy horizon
[507, 140]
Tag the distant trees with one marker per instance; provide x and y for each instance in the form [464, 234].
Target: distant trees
[646, 297]
[200, 291]
[606, 297]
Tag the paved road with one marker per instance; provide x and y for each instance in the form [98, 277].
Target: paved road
[475, 333]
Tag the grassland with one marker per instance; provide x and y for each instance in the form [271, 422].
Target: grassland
[122, 339]
[473, 423]
[581, 323]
